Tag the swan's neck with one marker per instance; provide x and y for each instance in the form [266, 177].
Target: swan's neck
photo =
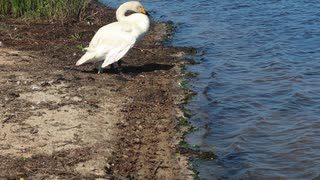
[121, 12]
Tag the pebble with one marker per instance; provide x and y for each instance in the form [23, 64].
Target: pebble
[108, 165]
[36, 88]
[76, 98]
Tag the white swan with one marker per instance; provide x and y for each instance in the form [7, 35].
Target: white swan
[113, 41]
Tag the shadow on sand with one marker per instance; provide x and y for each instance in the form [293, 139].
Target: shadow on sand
[132, 69]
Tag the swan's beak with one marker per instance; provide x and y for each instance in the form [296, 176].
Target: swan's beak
[143, 11]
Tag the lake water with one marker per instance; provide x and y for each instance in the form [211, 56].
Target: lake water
[258, 102]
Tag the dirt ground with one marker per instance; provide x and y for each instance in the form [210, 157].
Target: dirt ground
[59, 121]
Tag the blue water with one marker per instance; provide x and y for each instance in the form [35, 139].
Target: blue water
[258, 102]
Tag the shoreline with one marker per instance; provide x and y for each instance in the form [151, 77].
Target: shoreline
[61, 121]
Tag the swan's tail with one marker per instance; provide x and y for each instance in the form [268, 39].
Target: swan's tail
[87, 57]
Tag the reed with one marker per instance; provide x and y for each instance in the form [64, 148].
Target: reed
[4, 7]
[53, 9]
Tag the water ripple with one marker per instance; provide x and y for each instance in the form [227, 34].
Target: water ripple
[258, 102]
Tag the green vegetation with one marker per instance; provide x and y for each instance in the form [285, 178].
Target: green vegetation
[53, 9]
[76, 36]
[80, 46]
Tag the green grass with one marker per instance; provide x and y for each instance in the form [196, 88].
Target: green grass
[75, 36]
[80, 47]
[53, 9]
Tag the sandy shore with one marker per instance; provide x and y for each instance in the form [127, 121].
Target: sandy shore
[58, 121]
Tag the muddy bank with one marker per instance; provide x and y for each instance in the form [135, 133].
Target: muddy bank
[58, 121]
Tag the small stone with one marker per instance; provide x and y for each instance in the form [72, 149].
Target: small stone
[108, 165]
[36, 88]
[51, 81]
[76, 98]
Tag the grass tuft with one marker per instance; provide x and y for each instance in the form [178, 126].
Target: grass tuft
[52, 9]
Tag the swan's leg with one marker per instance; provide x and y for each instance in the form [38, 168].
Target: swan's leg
[100, 69]
[120, 65]
[112, 67]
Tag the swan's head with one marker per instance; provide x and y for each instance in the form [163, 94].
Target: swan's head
[135, 6]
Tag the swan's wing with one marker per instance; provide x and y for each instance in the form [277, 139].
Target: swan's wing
[116, 54]
[113, 41]
[110, 35]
